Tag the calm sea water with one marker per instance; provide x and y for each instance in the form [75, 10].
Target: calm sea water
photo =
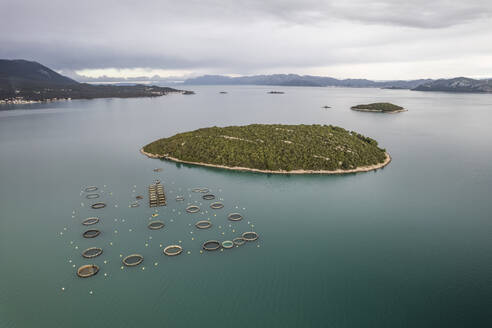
[406, 246]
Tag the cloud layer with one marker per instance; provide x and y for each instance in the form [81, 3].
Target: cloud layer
[358, 38]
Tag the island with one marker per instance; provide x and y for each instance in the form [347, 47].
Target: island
[379, 108]
[273, 148]
[273, 92]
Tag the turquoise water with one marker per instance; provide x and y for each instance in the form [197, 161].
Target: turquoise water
[405, 246]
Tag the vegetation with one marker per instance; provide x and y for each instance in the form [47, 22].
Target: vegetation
[273, 147]
[378, 107]
[31, 81]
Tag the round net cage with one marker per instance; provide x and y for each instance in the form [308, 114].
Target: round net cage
[91, 233]
[180, 198]
[91, 189]
[90, 221]
[159, 169]
[238, 241]
[204, 190]
[139, 197]
[92, 196]
[92, 252]
[173, 250]
[216, 205]
[155, 225]
[228, 244]
[203, 224]
[133, 260]
[134, 204]
[208, 197]
[196, 189]
[211, 245]
[250, 236]
[98, 205]
[88, 270]
[192, 209]
[235, 217]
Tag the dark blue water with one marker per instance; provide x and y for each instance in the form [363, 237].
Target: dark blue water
[405, 246]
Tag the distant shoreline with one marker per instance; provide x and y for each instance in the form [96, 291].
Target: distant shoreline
[247, 169]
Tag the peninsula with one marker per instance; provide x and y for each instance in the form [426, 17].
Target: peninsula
[273, 148]
[379, 108]
[23, 81]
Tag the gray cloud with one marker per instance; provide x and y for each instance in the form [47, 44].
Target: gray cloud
[220, 36]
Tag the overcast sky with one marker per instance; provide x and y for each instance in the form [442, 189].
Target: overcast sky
[386, 39]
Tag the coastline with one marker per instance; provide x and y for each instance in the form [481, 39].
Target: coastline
[247, 169]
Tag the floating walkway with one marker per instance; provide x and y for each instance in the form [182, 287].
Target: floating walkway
[157, 197]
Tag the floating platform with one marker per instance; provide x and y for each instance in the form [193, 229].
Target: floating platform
[157, 197]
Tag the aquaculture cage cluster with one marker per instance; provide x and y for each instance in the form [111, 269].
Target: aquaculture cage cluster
[205, 211]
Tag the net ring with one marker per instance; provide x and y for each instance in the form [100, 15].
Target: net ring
[173, 250]
[207, 245]
[92, 233]
[87, 271]
[92, 252]
[250, 236]
[90, 221]
[216, 205]
[192, 209]
[203, 224]
[98, 205]
[133, 260]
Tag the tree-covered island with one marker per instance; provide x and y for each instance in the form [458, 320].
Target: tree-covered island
[379, 108]
[273, 148]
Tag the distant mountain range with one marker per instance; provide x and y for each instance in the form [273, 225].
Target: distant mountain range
[460, 84]
[302, 80]
[26, 81]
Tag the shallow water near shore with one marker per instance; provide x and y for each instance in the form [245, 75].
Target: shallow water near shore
[405, 246]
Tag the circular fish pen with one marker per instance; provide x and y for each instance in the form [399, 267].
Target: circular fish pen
[204, 190]
[159, 169]
[98, 205]
[133, 260]
[155, 225]
[238, 241]
[90, 221]
[91, 233]
[192, 209]
[92, 252]
[228, 244]
[216, 205]
[134, 204]
[208, 197]
[211, 245]
[180, 198]
[250, 236]
[235, 217]
[87, 271]
[173, 250]
[92, 196]
[139, 197]
[203, 224]
[196, 189]
[91, 189]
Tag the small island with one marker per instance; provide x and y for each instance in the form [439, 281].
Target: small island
[379, 108]
[273, 92]
[273, 148]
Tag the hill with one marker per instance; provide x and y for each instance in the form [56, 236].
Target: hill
[273, 148]
[459, 84]
[26, 81]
